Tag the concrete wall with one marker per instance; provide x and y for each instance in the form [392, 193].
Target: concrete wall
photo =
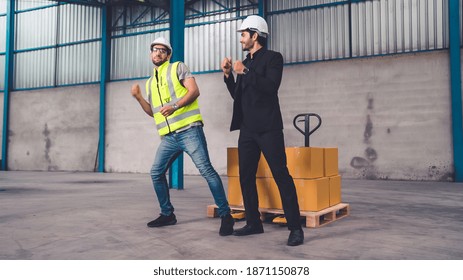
[131, 137]
[389, 116]
[54, 129]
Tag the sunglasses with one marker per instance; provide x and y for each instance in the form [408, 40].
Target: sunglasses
[160, 50]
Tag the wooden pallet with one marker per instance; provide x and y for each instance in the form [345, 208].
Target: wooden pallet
[312, 219]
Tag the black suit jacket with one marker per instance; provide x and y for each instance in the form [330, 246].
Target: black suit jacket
[261, 110]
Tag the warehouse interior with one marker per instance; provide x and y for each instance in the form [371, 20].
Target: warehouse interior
[383, 75]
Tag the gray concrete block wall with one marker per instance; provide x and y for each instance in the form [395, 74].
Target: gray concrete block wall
[389, 116]
[131, 136]
[54, 129]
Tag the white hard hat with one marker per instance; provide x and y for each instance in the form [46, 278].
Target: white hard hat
[161, 41]
[255, 23]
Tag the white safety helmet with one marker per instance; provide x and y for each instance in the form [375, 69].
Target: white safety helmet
[255, 23]
[161, 41]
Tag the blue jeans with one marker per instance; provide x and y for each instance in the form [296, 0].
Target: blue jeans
[193, 142]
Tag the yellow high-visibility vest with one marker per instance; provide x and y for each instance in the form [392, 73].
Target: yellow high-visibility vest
[164, 88]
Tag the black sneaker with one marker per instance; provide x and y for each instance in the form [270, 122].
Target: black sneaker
[163, 221]
[226, 227]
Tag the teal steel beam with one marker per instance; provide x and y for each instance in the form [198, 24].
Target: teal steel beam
[177, 32]
[139, 33]
[455, 82]
[9, 59]
[177, 40]
[350, 28]
[104, 75]
[213, 22]
[311, 7]
[37, 8]
[85, 2]
[238, 8]
[261, 9]
[56, 46]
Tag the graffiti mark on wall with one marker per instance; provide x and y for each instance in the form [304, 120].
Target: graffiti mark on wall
[366, 163]
[48, 145]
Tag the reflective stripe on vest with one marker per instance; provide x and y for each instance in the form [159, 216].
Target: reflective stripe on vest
[161, 94]
[178, 118]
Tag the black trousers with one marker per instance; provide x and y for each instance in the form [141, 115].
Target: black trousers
[272, 145]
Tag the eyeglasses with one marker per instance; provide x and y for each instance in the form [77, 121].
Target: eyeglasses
[160, 50]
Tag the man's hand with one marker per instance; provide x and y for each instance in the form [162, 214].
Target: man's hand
[167, 110]
[136, 92]
[226, 66]
[238, 67]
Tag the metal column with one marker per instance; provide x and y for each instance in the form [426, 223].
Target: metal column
[9, 59]
[104, 74]
[455, 80]
[262, 9]
[177, 40]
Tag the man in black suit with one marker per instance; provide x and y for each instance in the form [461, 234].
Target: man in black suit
[256, 113]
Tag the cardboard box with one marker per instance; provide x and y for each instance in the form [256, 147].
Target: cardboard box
[313, 194]
[267, 191]
[307, 166]
[233, 164]
[235, 197]
[302, 163]
[269, 195]
[305, 162]
[330, 159]
[335, 190]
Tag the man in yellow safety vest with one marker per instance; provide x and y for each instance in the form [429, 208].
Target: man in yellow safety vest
[172, 95]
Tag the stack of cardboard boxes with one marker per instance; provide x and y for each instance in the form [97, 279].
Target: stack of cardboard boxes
[315, 174]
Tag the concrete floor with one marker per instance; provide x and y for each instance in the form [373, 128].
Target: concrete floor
[65, 215]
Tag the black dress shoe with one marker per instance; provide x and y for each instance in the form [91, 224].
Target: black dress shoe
[296, 237]
[226, 226]
[248, 230]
